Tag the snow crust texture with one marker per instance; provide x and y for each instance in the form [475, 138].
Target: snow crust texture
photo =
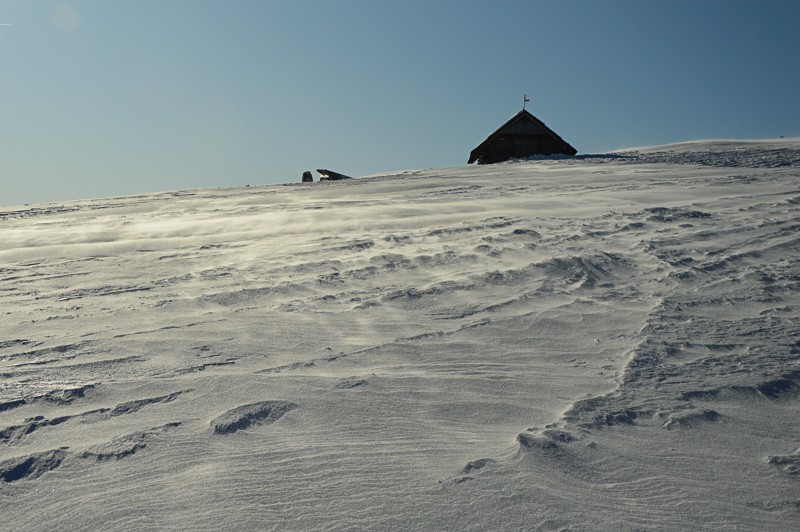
[605, 342]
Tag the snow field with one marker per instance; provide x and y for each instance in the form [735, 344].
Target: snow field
[597, 343]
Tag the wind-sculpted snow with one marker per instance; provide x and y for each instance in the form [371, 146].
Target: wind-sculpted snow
[31, 466]
[601, 342]
[245, 416]
[726, 154]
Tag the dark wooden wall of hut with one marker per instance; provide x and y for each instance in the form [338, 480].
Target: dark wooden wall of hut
[518, 146]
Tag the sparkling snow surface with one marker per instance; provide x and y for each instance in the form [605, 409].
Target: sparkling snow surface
[589, 343]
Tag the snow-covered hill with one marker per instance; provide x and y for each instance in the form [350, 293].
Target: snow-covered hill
[604, 342]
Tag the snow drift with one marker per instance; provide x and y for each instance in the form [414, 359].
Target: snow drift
[604, 342]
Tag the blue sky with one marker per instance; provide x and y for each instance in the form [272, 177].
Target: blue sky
[103, 97]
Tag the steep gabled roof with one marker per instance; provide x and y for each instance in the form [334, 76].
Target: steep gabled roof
[522, 116]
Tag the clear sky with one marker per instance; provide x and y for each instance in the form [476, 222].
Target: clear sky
[108, 97]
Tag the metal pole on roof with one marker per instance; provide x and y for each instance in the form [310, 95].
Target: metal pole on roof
[525, 100]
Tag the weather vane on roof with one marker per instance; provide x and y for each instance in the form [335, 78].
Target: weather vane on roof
[525, 100]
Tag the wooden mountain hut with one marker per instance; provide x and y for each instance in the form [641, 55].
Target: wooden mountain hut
[522, 136]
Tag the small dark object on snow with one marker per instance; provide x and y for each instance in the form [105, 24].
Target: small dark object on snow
[330, 175]
[307, 177]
